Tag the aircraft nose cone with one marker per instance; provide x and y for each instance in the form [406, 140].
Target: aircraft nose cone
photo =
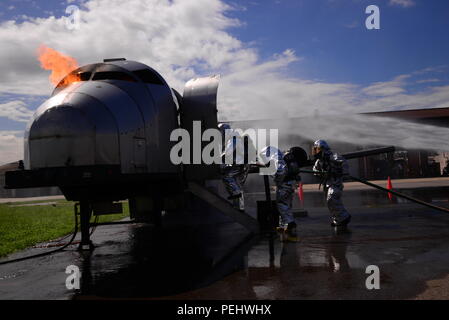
[62, 136]
[61, 121]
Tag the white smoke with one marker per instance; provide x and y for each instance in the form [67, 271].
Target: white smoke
[361, 130]
[369, 130]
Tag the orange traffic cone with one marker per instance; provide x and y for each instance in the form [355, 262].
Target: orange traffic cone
[389, 187]
[301, 194]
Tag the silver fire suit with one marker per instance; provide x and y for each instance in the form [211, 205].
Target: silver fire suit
[285, 184]
[235, 171]
[335, 167]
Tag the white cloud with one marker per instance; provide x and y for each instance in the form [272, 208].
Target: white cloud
[387, 88]
[171, 36]
[265, 92]
[434, 69]
[11, 146]
[434, 97]
[402, 3]
[352, 25]
[183, 39]
[16, 111]
[428, 80]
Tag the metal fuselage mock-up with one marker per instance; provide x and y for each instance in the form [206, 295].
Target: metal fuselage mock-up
[104, 136]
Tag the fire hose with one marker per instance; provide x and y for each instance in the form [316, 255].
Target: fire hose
[396, 193]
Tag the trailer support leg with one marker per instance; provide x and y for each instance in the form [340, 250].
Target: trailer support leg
[85, 214]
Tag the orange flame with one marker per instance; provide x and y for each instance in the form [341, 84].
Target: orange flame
[59, 64]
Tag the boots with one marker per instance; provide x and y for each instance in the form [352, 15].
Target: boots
[288, 233]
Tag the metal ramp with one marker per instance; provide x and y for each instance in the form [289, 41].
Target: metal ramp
[224, 207]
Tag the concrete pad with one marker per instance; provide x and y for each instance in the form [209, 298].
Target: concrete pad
[201, 254]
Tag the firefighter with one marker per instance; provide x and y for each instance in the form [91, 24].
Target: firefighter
[285, 176]
[234, 168]
[332, 168]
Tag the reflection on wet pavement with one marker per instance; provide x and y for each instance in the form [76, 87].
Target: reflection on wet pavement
[200, 254]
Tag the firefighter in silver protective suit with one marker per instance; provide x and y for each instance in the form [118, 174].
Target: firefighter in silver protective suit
[332, 167]
[234, 169]
[285, 176]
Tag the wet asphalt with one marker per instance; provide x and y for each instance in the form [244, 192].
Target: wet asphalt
[199, 254]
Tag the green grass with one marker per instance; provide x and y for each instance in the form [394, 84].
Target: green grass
[22, 227]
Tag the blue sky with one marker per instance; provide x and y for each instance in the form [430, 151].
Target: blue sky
[15, 9]
[329, 34]
[306, 54]
[332, 37]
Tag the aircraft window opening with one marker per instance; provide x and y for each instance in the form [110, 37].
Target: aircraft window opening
[148, 76]
[113, 75]
[74, 77]
[84, 76]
